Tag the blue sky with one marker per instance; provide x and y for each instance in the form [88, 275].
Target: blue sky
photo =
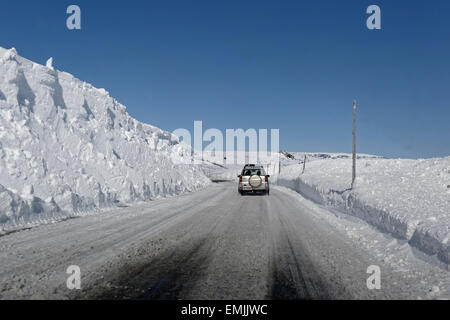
[294, 65]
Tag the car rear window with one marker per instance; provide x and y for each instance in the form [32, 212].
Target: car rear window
[251, 172]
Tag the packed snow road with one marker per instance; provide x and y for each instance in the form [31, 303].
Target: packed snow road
[213, 244]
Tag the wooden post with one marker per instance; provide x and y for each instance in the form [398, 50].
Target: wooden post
[354, 144]
[304, 165]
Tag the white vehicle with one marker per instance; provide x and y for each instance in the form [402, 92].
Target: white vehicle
[253, 179]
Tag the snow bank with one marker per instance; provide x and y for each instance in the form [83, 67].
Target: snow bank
[76, 147]
[410, 199]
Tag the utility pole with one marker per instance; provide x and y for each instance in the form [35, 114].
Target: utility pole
[279, 164]
[304, 165]
[354, 144]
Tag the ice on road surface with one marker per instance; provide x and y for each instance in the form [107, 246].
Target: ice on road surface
[214, 244]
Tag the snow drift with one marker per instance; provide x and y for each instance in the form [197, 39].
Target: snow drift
[67, 147]
[409, 199]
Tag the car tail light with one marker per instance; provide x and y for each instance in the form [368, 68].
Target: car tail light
[240, 178]
[267, 178]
